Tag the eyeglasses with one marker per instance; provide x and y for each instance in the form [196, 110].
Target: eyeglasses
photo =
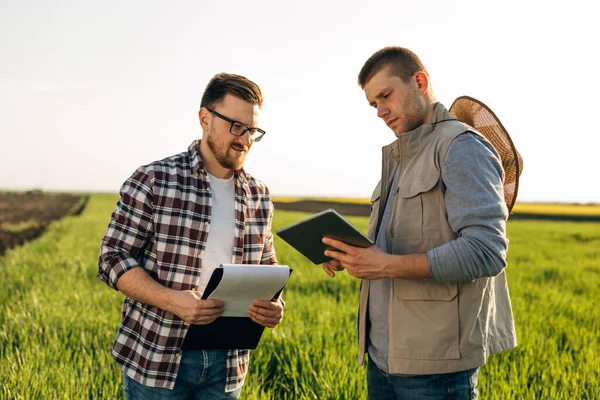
[239, 128]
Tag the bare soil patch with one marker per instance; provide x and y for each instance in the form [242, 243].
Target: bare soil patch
[24, 216]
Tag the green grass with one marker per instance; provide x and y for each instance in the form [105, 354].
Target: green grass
[59, 321]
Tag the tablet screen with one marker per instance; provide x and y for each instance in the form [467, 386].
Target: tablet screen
[305, 235]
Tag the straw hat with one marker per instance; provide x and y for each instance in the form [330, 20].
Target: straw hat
[473, 112]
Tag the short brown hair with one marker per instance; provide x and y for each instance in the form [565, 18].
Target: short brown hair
[236, 85]
[404, 64]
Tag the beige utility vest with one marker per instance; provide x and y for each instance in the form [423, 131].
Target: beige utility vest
[433, 328]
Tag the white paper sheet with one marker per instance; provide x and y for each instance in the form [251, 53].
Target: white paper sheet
[241, 284]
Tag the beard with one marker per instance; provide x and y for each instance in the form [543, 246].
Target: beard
[414, 111]
[224, 154]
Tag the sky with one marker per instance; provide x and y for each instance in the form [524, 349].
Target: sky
[90, 90]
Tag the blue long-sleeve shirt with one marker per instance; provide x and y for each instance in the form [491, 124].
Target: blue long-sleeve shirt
[476, 212]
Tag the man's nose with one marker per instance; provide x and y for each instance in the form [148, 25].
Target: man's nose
[382, 111]
[245, 138]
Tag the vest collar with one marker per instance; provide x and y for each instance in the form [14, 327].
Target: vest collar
[410, 141]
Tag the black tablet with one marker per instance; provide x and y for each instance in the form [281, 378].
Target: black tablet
[305, 235]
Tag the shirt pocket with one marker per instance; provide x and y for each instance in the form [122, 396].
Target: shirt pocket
[417, 203]
[256, 232]
[255, 235]
[179, 244]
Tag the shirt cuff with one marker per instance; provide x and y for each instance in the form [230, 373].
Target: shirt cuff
[116, 267]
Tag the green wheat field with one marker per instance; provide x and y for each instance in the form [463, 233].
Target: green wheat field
[58, 321]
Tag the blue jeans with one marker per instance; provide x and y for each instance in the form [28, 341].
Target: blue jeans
[456, 385]
[201, 376]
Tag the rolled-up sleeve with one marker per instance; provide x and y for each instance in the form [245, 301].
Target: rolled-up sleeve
[129, 229]
[473, 175]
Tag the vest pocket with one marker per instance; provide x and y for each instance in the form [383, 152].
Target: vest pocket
[416, 211]
[375, 204]
[424, 320]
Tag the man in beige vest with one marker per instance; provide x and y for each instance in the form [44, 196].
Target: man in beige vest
[434, 300]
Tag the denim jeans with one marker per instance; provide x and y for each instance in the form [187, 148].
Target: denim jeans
[456, 385]
[201, 376]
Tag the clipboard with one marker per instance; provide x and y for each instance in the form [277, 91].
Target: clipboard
[226, 332]
[305, 235]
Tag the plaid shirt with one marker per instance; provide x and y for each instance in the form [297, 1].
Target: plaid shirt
[161, 223]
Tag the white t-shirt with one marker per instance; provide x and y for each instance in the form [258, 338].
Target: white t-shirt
[221, 232]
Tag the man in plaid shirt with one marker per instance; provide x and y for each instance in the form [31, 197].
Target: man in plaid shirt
[176, 221]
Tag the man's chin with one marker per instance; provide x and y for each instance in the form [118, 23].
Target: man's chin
[233, 165]
[238, 159]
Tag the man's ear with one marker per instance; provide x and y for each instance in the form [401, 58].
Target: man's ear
[204, 116]
[422, 81]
